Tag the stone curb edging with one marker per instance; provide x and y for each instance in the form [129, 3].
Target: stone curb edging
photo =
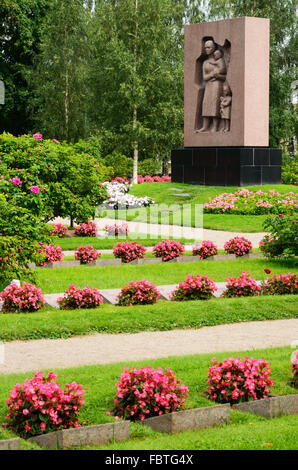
[10, 444]
[271, 407]
[98, 435]
[139, 261]
[187, 420]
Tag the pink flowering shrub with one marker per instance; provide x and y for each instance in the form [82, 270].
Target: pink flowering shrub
[146, 392]
[59, 230]
[80, 298]
[244, 201]
[294, 368]
[129, 251]
[26, 298]
[40, 406]
[116, 229]
[168, 249]
[239, 246]
[140, 179]
[194, 288]
[267, 242]
[86, 230]
[242, 286]
[148, 179]
[52, 253]
[281, 284]
[86, 254]
[205, 249]
[234, 381]
[138, 293]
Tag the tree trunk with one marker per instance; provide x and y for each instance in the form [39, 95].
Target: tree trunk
[135, 111]
[66, 104]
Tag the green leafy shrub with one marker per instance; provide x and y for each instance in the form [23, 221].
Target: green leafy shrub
[150, 167]
[283, 237]
[118, 165]
[289, 173]
[67, 179]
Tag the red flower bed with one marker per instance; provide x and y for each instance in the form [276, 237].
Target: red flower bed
[281, 284]
[168, 249]
[146, 392]
[205, 249]
[239, 246]
[40, 406]
[80, 298]
[26, 298]
[86, 230]
[86, 254]
[138, 292]
[234, 381]
[129, 251]
[242, 286]
[194, 288]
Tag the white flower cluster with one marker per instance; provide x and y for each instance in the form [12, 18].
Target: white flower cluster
[119, 197]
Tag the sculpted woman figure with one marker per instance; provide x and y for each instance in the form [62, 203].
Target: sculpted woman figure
[214, 75]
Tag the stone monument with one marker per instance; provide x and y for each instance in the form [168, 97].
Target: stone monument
[226, 106]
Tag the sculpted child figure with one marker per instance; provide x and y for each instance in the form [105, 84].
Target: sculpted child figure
[225, 107]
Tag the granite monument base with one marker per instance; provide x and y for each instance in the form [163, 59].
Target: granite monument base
[226, 166]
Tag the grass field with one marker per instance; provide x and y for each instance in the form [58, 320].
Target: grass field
[108, 277]
[72, 243]
[244, 432]
[53, 323]
[161, 193]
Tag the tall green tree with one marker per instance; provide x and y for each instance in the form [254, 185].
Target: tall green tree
[283, 57]
[59, 78]
[20, 22]
[137, 74]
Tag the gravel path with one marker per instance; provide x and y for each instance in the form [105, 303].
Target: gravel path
[23, 356]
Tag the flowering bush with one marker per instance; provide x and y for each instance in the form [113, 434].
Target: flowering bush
[86, 254]
[168, 249]
[294, 368]
[59, 230]
[250, 202]
[239, 246]
[234, 381]
[26, 298]
[52, 253]
[146, 392]
[115, 230]
[193, 288]
[138, 292]
[128, 251]
[118, 197]
[205, 249]
[86, 230]
[283, 236]
[242, 286]
[281, 284]
[80, 298]
[39, 406]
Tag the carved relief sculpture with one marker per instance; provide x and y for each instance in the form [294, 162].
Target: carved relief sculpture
[214, 100]
[225, 107]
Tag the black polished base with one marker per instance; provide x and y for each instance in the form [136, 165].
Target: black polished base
[226, 166]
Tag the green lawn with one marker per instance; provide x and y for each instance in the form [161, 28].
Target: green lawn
[244, 432]
[161, 193]
[53, 323]
[72, 243]
[108, 277]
